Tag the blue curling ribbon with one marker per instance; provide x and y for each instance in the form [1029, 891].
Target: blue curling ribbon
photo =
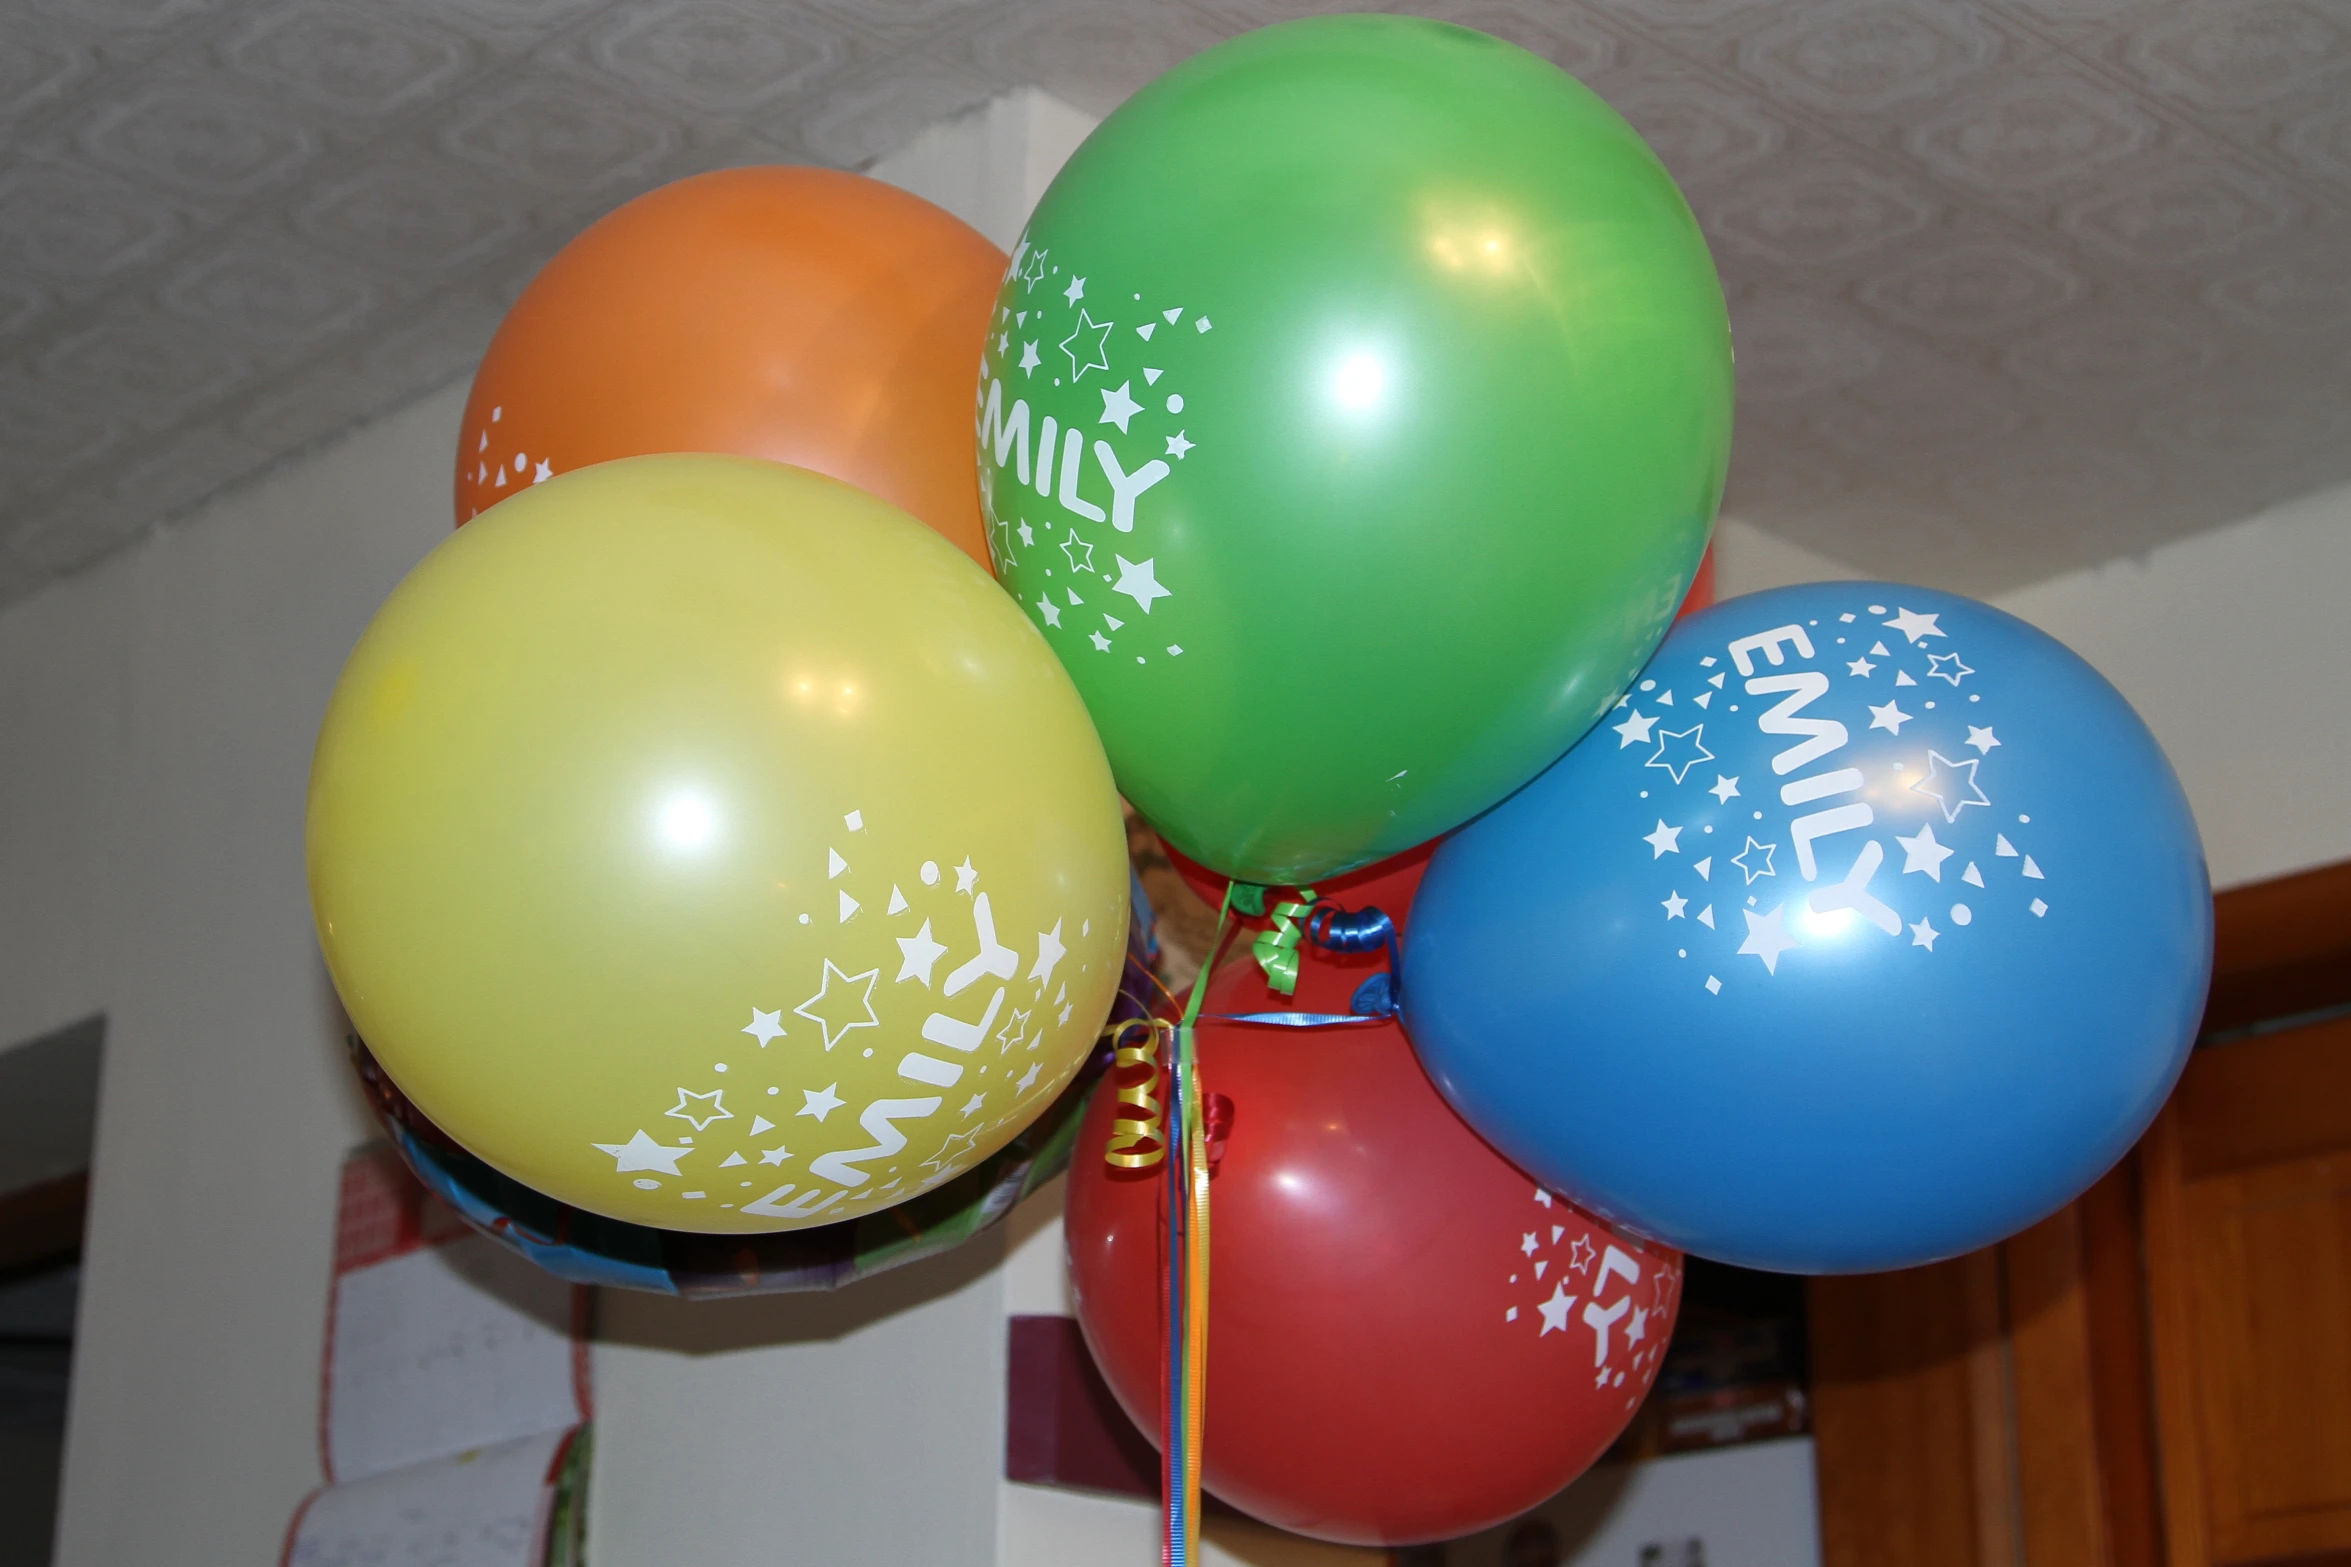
[1334, 929]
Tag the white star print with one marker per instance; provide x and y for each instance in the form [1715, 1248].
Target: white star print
[918, 954]
[643, 1153]
[1767, 937]
[1580, 1255]
[1862, 667]
[1673, 905]
[1725, 789]
[1021, 1084]
[1634, 729]
[1544, 1198]
[1982, 739]
[1101, 642]
[1923, 934]
[1139, 581]
[1177, 446]
[864, 998]
[1694, 736]
[1028, 358]
[1097, 357]
[1946, 666]
[543, 472]
[1665, 840]
[821, 1101]
[1922, 853]
[1050, 952]
[1890, 718]
[765, 1026]
[1639, 1329]
[685, 1109]
[1555, 1309]
[1118, 407]
[1027, 538]
[1527, 1243]
[1050, 610]
[965, 877]
[1945, 781]
[1913, 625]
[1076, 290]
[1080, 552]
[1010, 1034]
[973, 1103]
[1750, 872]
[776, 1155]
[954, 1148]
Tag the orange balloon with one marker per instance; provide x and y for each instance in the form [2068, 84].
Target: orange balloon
[802, 315]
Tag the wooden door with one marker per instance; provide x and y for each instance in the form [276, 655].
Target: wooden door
[2248, 1240]
[2160, 1373]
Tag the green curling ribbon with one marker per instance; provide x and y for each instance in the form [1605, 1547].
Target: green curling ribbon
[1276, 950]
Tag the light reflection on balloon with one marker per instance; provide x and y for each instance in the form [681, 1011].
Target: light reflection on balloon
[687, 820]
[1359, 381]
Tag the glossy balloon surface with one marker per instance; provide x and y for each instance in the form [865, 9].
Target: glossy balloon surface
[1351, 423]
[1386, 885]
[1871, 928]
[803, 315]
[1407, 1340]
[705, 844]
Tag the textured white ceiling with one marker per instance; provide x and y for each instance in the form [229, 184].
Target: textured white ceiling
[2018, 284]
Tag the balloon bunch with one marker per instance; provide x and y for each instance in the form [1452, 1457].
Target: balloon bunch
[1349, 424]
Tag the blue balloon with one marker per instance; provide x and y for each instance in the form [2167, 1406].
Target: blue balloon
[1871, 927]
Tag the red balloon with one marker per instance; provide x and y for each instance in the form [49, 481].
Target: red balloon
[1385, 884]
[1407, 1340]
[1701, 592]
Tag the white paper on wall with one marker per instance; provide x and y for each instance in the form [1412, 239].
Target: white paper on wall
[484, 1507]
[449, 1346]
[454, 1393]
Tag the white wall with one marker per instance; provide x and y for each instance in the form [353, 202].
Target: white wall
[187, 680]
[65, 671]
[2233, 644]
[989, 166]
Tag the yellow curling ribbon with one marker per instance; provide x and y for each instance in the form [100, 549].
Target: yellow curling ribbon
[1276, 950]
[1139, 1119]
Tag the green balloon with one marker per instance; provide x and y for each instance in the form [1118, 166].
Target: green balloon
[1351, 423]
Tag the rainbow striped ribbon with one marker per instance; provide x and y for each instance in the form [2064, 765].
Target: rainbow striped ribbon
[1184, 1400]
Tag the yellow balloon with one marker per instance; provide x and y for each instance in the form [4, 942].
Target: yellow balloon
[708, 844]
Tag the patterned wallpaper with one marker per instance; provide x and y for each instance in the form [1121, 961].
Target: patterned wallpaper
[2019, 285]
